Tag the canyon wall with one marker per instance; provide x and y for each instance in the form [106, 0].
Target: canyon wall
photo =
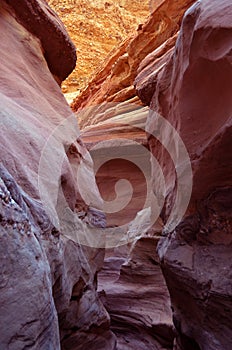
[193, 92]
[111, 108]
[132, 287]
[114, 80]
[96, 27]
[167, 89]
[131, 284]
[48, 297]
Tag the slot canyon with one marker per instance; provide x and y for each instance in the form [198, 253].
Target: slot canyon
[116, 175]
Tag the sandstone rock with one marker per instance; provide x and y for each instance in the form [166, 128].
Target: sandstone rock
[39, 19]
[48, 294]
[153, 63]
[96, 27]
[28, 315]
[118, 114]
[154, 4]
[135, 294]
[118, 146]
[193, 94]
[115, 80]
[132, 287]
[197, 267]
[107, 111]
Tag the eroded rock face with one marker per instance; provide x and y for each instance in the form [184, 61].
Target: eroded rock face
[39, 19]
[197, 268]
[193, 92]
[28, 314]
[96, 27]
[150, 67]
[48, 294]
[114, 82]
[118, 147]
[108, 109]
[132, 288]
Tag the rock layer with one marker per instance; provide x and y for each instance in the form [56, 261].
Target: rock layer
[55, 303]
[133, 290]
[96, 27]
[108, 109]
[114, 82]
[118, 146]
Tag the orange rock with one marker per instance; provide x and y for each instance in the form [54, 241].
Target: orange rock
[115, 79]
[96, 27]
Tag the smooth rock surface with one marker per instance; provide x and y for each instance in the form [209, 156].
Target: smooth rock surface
[153, 63]
[48, 296]
[133, 290]
[193, 92]
[118, 147]
[40, 20]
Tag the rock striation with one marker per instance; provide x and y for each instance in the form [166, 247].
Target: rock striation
[176, 298]
[118, 147]
[114, 81]
[109, 110]
[95, 28]
[48, 297]
[134, 292]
